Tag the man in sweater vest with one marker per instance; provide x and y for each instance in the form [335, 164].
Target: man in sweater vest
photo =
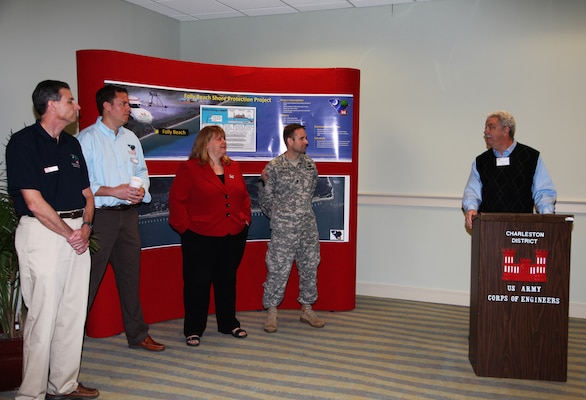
[509, 176]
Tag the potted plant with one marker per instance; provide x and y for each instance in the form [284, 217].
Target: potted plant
[11, 308]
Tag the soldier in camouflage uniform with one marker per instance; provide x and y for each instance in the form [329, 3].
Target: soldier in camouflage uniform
[289, 183]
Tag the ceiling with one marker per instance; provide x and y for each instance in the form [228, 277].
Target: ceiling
[195, 10]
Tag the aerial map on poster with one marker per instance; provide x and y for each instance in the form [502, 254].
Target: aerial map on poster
[329, 204]
[167, 120]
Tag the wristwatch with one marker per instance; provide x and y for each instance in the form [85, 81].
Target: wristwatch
[88, 224]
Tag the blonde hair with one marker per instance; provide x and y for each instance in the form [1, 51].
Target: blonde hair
[199, 149]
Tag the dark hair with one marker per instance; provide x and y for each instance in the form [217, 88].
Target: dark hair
[107, 93]
[199, 149]
[47, 91]
[289, 131]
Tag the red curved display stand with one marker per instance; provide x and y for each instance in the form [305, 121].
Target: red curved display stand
[161, 288]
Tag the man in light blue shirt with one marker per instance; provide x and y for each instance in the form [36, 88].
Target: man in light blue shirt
[508, 177]
[119, 181]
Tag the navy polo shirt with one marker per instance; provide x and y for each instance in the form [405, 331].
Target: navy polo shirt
[57, 169]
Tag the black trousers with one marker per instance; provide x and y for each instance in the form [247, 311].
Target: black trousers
[210, 261]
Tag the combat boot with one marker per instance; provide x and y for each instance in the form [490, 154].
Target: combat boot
[310, 317]
[271, 322]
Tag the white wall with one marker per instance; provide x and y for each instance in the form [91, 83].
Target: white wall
[39, 38]
[430, 72]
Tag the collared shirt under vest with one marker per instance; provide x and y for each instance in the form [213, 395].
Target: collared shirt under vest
[507, 188]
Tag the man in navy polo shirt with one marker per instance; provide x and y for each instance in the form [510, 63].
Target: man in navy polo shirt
[48, 179]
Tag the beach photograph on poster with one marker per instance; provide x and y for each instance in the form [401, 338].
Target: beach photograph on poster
[166, 120]
[330, 204]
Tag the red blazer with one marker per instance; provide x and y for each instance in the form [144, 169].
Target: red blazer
[200, 202]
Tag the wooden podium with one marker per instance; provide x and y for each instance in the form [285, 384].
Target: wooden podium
[519, 295]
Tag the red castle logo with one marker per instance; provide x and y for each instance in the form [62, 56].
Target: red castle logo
[524, 270]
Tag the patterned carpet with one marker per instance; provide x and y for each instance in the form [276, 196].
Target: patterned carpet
[384, 349]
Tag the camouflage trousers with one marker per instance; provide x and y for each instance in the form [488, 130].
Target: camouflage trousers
[286, 246]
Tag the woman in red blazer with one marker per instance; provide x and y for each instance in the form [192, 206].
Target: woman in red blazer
[210, 208]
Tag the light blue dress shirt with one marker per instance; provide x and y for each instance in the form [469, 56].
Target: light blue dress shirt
[112, 159]
[544, 193]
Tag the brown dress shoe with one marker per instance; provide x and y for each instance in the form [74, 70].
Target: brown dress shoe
[148, 344]
[81, 393]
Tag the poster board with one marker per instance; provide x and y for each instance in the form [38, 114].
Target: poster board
[293, 86]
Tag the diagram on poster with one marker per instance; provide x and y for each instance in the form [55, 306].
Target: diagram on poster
[239, 123]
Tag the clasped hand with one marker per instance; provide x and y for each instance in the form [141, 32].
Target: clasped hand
[80, 240]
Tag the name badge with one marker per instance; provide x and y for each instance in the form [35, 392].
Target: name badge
[502, 161]
[54, 168]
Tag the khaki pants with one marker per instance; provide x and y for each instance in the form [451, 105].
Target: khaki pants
[54, 282]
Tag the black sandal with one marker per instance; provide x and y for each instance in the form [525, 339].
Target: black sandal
[239, 333]
[192, 340]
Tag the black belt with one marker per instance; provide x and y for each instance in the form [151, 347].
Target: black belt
[71, 214]
[120, 207]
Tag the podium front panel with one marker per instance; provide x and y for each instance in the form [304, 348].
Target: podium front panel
[519, 299]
